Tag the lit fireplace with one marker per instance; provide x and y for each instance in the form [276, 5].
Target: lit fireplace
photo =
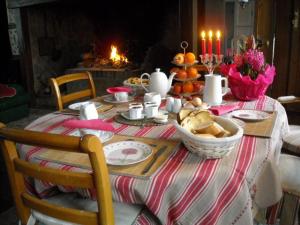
[116, 58]
[95, 59]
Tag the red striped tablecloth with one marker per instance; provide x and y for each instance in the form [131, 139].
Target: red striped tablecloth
[187, 189]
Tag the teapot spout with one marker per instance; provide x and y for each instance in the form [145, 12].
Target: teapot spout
[170, 80]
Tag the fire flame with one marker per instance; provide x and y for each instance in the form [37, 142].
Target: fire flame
[115, 57]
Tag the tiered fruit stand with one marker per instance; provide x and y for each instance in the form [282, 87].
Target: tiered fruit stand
[186, 86]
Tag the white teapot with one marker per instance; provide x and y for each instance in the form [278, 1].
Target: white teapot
[158, 82]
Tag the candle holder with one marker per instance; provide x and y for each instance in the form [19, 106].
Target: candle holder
[211, 61]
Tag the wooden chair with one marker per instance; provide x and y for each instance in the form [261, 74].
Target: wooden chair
[289, 167]
[63, 99]
[62, 208]
[291, 141]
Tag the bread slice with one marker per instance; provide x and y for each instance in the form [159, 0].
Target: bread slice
[184, 113]
[223, 134]
[213, 128]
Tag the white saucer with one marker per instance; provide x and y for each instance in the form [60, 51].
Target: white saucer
[111, 99]
[103, 135]
[127, 117]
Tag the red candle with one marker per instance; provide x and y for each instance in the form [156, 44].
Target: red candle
[203, 44]
[210, 42]
[218, 43]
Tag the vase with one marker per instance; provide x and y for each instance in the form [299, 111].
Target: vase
[245, 89]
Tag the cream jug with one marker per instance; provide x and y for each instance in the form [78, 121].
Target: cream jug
[213, 92]
[158, 82]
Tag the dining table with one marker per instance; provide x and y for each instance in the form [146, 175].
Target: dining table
[186, 188]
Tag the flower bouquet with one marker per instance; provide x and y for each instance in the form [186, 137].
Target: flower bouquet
[249, 76]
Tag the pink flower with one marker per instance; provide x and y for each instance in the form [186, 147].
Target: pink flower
[255, 59]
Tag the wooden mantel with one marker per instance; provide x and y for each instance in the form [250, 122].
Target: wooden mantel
[11, 4]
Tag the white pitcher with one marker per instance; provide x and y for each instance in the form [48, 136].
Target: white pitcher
[213, 92]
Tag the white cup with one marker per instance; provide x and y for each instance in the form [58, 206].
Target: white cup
[135, 111]
[151, 109]
[121, 96]
[169, 104]
[88, 111]
[152, 97]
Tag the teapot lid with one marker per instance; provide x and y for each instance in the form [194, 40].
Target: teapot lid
[157, 70]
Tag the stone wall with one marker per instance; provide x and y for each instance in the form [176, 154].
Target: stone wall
[58, 36]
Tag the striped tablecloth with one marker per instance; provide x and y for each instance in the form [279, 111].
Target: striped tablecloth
[187, 189]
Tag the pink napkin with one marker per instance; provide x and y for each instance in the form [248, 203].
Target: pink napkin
[222, 109]
[95, 124]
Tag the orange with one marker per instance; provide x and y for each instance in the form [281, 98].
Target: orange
[177, 88]
[189, 58]
[192, 72]
[188, 87]
[174, 70]
[181, 74]
[179, 58]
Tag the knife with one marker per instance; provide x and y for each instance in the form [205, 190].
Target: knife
[154, 158]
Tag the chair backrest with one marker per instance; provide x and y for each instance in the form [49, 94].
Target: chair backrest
[18, 168]
[63, 99]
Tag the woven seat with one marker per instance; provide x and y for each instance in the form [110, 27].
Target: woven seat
[289, 167]
[291, 142]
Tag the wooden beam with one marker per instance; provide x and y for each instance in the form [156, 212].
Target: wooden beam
[22, 3]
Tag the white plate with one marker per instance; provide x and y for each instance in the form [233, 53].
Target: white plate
[77, 105]
[250, 115]
[103, 135]
[111, 99]
[126, 152]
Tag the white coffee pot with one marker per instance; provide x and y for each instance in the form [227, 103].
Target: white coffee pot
[158, 82]
[213, 91]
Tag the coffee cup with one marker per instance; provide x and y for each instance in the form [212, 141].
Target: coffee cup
[151, 109]
[153, 97]
[121, 96]
[135, 111]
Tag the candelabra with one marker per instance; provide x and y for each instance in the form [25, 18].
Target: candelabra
[211, 61]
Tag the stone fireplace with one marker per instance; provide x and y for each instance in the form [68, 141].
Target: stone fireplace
[55, 35]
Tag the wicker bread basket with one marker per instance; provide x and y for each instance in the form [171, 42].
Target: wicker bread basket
[212, 147]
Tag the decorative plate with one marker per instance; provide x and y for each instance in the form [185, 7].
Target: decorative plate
[126, 83]
[111, 99]
[126, 152]
[250, 115]
[77, 105]
[103, 135]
